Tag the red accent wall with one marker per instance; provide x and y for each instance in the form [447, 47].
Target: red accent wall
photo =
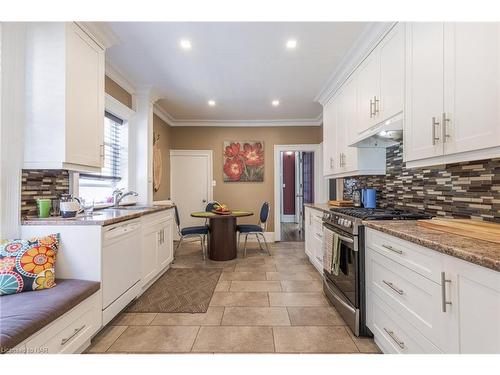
[289, 181]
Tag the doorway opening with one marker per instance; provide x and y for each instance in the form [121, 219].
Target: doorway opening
[297, 188]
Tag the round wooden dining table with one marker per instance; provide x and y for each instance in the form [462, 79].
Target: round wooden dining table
[222, 244]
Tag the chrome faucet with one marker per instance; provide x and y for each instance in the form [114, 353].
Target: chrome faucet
[118, 195]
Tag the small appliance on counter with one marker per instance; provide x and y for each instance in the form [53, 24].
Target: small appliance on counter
[356, 197]
[69, 206]
[369, 198]
[366, 198]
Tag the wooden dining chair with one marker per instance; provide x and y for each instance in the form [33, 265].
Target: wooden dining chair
[258, 230]
[200, 232]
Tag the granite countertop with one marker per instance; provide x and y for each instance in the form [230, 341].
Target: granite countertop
[318, 206]
[106, 216]
[483, 253]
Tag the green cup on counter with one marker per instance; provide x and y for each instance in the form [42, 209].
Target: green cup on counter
[43, 207]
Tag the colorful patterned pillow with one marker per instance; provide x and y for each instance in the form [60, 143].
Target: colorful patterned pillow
[28, 264]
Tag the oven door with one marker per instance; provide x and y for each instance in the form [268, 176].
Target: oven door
[346, 281]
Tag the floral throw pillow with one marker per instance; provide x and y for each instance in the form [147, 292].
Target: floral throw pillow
[27, 265]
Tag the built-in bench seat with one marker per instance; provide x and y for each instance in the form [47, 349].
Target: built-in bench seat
[56, 320]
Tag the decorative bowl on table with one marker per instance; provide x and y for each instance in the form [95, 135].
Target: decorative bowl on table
[221, 209]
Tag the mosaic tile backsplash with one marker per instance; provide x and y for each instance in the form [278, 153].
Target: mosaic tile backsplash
[460, 190]
[41, 183]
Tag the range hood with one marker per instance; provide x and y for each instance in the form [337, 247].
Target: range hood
[385, 134]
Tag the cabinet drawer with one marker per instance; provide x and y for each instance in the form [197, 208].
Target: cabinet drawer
[69, 333]
[158, 217]
[395, 335]
[427, 263]
[415, 298]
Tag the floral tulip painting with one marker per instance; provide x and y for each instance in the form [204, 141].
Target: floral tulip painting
[243, 161]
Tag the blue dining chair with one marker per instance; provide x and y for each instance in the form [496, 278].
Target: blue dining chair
[255, 229]
[198, 231]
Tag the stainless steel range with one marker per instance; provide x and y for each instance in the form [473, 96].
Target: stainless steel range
[344, 284]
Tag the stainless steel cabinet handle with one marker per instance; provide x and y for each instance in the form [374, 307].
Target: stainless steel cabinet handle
[434, 124]
[444, 302]
[389, 247]
[393, 287]
[75, 332]
[371, 108]
[391, 334]
[445, 122]
[375, 105]
[331, 162]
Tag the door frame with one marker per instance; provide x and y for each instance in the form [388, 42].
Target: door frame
[210, 177]
[319, 180]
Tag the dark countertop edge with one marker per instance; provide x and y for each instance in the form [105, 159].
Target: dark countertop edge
[443, 248]
[97, 222]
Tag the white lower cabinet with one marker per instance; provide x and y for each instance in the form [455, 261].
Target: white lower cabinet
[409, 310]
[474, 293]
[313, 230]
[157, 245]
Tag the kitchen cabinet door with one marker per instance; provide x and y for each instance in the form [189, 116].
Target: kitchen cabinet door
[348, 126]
[166, 244]
[474, 293]
[472, 86]
[84, 99]
[149, 256]
[308, 232]
[391, 53]
[424, 90]
[368, 78]
[329, 137]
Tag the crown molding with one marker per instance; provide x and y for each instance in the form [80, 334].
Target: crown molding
[172, 121]
[164, 115]
[116, 75]
[368, 40]
[101, 32]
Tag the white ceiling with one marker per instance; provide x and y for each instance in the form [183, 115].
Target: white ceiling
[242, 66]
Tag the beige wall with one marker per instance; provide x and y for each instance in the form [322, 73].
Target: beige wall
[238, 194]
[161, 128]
[116, 91]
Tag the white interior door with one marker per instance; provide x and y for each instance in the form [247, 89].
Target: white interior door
[190, 183]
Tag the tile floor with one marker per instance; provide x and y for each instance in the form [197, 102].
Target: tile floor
[262, 304]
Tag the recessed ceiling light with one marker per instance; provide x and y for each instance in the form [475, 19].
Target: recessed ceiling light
[275, 103]
[291, 44]
[185, 44]
[211, 103]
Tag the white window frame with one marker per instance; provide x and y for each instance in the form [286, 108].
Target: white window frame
[120, 110]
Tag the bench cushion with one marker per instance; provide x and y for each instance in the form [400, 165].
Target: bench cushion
[23, 314]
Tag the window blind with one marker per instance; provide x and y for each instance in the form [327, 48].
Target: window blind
[111, 170]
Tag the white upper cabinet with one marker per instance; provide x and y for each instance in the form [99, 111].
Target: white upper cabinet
[424, 90]
[340, 116]
[329, 137]
[65, 98]
[471, 86]
[452, 110]
[84, 99]
[381, 81]
[368, 77]
[347, 125]
[392, 73]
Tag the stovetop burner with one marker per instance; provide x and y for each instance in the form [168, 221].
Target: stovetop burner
[380, 214]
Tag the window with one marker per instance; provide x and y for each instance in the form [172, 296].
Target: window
[100, 186]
